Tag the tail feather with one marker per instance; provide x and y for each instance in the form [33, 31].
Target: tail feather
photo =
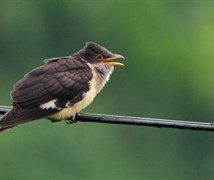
[18, 115]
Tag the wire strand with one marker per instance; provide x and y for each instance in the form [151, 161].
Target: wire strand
[138, 121]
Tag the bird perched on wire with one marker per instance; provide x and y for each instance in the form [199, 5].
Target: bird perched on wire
[61, 87]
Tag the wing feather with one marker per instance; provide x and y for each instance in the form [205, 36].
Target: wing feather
[57, 79]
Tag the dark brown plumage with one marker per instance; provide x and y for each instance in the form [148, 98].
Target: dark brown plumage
[61, 87]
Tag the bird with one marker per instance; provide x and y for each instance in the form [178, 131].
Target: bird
[61, 87]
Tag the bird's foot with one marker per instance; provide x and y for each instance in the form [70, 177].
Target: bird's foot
[72, 120]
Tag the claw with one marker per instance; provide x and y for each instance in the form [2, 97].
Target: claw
[72, 120]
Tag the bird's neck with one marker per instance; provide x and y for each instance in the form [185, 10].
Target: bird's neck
[101, 74]
[104, 71]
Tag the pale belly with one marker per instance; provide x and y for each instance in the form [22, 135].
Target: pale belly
[68, 112]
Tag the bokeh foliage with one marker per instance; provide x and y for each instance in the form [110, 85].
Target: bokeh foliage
[168, 47]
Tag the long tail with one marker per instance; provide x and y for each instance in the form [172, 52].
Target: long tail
[18, 115]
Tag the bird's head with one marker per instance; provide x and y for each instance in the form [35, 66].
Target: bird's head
[96, 54]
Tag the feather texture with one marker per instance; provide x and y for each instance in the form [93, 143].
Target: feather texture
[61, 87]
[60, 79]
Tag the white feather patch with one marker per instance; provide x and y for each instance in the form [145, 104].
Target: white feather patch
[49, 104]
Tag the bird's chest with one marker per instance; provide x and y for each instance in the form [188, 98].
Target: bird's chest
[95, 85]
[87, 97]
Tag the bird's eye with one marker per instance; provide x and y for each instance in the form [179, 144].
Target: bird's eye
[100, 57]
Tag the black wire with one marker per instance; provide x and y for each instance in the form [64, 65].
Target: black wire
[139, 121]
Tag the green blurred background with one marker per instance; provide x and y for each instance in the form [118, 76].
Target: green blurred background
[169, 53]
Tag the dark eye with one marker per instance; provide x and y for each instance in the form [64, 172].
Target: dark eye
[100, 57]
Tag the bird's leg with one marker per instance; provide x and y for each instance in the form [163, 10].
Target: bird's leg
[72, 119]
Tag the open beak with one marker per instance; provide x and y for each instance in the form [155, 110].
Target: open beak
[113, 56]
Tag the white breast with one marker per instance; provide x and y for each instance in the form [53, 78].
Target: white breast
[96, 84]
